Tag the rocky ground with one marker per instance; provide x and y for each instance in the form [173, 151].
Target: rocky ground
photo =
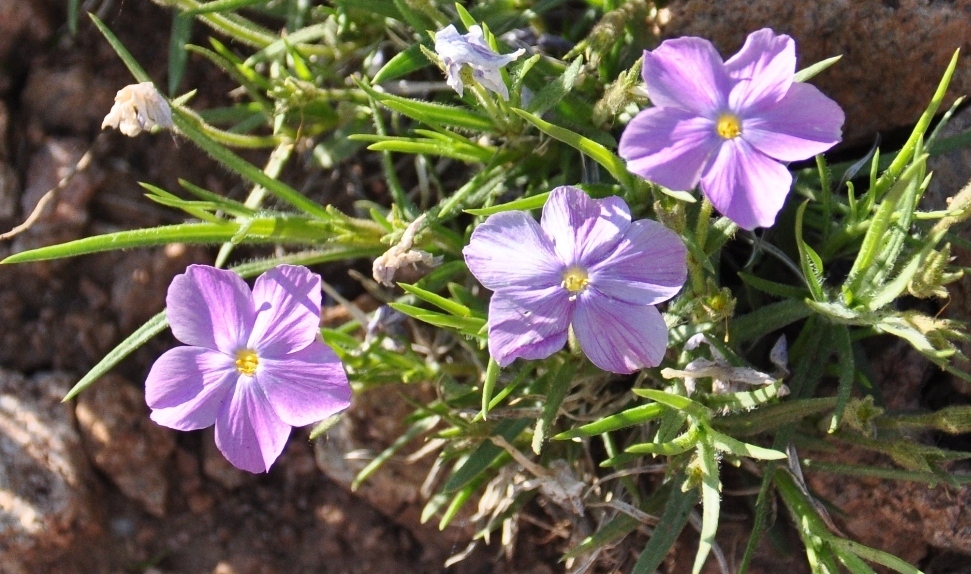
[95, 487]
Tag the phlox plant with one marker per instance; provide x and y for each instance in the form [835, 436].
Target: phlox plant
[631, 299]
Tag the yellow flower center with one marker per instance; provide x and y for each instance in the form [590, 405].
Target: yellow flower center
[575, 280]
[728, 126]
[246, 362]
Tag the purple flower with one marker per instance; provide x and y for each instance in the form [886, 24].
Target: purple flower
[457, 50]
[586, 266]
[253, 365]
[730, 125]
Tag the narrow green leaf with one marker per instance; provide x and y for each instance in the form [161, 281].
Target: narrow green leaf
[630, 417]
[672, 522]
[744, 400]
[484, 455]
[556, 90]
[726, 443]
[73, 9]
[403, 63]
[711, 503]
[681, 444]
[454, 150]
[559, 386]
[677, 402]
[615, 530]
[524, 204]
[853, 562]
[811, 71]
[847, 369]
[467, 325]
[613, 164]
[488, 385]
[771, 417]
[767, 319]
[809, 261]
[467, 19]
[178, 56]
[448, 305]
[773, 288]
[431, 113]
[873, 555]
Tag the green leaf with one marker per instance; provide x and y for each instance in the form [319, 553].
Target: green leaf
[773, 288]
[726, 443]
[488, 385]
[873, 555]
[261, 229]
[178, 56]
[401, 64]
[680, 444]
[613, 164]
[771, 417]
[627, 418]
[524, 204]
[673, 521]
[452, 149]
[468, 20]
[484, 455]
[711, 503]
[811, 71]
[431, 113]
[847, 369]
[556, 90]
[465, 325]
[559, 386]
[767, 319]
[853, 562]
[452, 307]
[677, 402]
[744, 400]
[812, 265]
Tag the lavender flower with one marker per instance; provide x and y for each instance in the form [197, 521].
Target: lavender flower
[253, 365]
[457, 50]
[729, 125]
[586, 265]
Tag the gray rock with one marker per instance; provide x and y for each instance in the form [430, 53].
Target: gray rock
[124, 443]
[45, 501]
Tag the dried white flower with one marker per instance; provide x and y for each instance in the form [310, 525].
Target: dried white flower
[402, 254]
[138, 108]
[457, 50]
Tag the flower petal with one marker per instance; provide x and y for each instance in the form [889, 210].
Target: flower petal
[211, 308]
[583, 230]
[187, 386]
[669, 146]
[746, 185]
[617, 336]
[648, 267]
[248, 432]
[306, 386]
[804, 123]
[687, 74]
[762, 71]
[287, 302]
[510, 251]
[531, 325]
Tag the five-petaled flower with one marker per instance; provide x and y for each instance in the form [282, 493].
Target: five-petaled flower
[254, 363]
[586, 266]
[729, 125]
[458, 50]
[137, 108]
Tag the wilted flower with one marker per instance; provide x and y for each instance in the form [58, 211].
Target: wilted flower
[137, 108]
[457, 50]
[587, 265]
[401, 255]
[729, 125]
[253, 365]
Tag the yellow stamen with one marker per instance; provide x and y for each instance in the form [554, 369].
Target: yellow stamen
[728, 126]
[575, 280]
[246, 362]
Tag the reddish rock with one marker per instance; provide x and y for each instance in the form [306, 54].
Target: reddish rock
[894, 53]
